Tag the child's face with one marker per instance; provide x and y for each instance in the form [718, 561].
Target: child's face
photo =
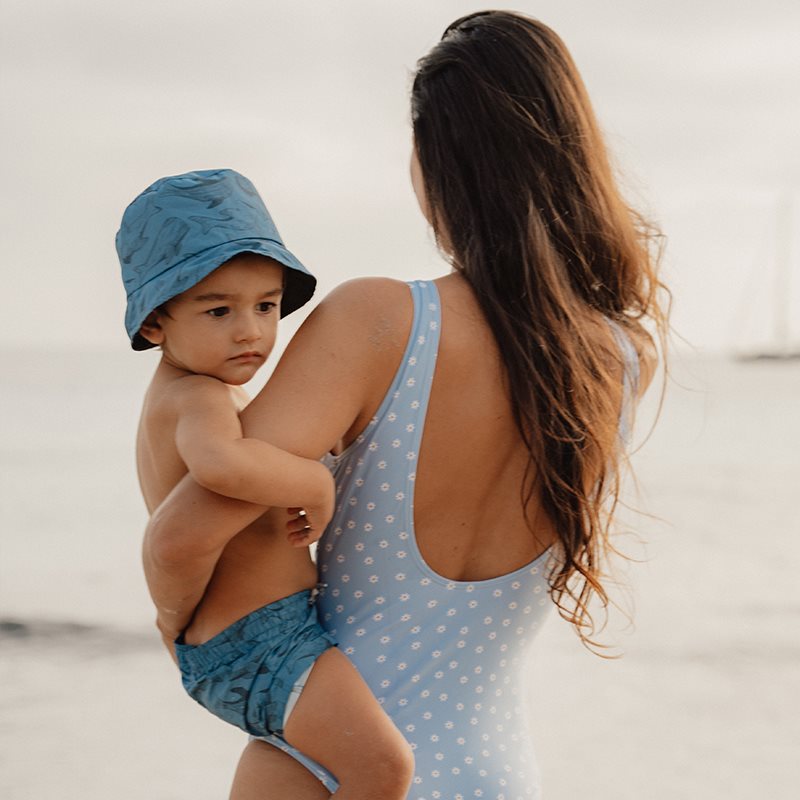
[226, 325]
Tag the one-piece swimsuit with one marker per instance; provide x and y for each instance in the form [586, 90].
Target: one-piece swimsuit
[445, 658]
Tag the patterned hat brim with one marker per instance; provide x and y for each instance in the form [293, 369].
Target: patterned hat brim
[298, 290]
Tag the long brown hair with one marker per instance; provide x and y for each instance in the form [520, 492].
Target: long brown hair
[523, 199]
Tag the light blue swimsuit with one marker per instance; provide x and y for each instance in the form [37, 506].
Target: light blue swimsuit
[446, 659]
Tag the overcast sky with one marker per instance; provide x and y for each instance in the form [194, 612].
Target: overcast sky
[700, 102]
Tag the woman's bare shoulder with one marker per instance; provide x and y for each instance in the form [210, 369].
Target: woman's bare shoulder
[371, 295]
[334, 371]
[375, 311]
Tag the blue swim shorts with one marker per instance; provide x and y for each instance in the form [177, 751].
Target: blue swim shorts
[245, 674]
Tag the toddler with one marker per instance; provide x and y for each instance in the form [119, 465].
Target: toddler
[207, 278]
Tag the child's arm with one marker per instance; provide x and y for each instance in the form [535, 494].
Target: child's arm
[208, 436]
[178, 568]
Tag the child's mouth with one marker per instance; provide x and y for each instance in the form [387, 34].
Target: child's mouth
[251, 355]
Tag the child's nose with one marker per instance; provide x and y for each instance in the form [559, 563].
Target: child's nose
[248, 329]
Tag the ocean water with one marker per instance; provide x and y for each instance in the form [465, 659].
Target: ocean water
[704, 703]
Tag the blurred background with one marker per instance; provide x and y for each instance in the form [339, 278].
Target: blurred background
[700, 104]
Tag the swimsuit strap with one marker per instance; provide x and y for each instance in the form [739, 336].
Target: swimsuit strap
[630, 379]
[414, 377]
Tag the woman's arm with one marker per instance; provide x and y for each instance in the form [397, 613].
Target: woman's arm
[208, 436]
[328, 384]
[335, 371]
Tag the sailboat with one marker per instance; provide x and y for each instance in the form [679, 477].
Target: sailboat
[784, 343]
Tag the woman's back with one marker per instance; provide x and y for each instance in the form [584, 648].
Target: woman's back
[468, 508]
[468, 511]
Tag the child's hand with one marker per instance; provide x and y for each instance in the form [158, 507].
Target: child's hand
[306, 525]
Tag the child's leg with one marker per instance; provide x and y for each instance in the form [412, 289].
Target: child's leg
[339, 724]
[265, 773]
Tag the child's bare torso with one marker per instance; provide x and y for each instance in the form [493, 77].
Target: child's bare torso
[258, 565]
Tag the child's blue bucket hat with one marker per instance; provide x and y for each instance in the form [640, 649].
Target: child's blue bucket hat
[180, 229]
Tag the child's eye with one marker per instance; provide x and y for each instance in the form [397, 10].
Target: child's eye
[220, 311]
[265, 307]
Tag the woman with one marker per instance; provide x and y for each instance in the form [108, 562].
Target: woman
[476, 417]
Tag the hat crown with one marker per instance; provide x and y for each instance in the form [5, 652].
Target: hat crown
[183, 227]
[182, 215]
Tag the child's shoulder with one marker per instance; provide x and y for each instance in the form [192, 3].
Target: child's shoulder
[188, 393]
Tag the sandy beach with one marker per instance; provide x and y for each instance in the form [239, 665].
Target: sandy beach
[704, 703]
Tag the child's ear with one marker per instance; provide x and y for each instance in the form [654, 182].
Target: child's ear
[152, 330]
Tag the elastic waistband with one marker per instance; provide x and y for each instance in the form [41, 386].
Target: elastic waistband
[271, 621]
